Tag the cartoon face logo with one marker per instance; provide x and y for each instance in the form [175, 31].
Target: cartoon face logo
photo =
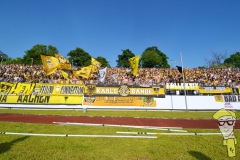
[226, 122]
[49, 63]
[226, 125]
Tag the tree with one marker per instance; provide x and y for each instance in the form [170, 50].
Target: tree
[17, 60]
[152, 57]
[79, 57]
[124, 57]
[3, 56]
[234, 59]
[33, 55]
[216, 59]
[103, 61]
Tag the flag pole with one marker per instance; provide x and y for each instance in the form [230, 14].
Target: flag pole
[184, 82]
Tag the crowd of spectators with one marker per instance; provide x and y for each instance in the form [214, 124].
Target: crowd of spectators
[117, 76]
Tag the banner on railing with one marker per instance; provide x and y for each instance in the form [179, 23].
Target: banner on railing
[41, 89]
[227, 98]
[59, 89]
[215, 90]
[38, 99]
[123, 90]
[40, 93]
[229, 101]
[120, 101]
[180, 86]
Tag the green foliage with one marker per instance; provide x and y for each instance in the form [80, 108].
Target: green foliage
[224, 65]
[163, 147]
[153, 57]
[234, 59]
[103, 61]
[18, 60]
[79, 57]
[33, 55]
[124, 57]
[10, 60]
[201, 67]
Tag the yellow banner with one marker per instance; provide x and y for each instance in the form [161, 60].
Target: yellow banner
[180, 86]
[214, 90]
[41, 89]
[94, 90]
[120, 101]
[22, 88]
[5, 87]
[37, 99]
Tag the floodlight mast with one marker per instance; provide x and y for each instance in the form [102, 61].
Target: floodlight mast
[184, 81]
[173, 62]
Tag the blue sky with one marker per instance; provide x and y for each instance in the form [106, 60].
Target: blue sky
[104, 28]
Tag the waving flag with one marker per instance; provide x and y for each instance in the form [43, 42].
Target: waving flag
[50, 64]
[180, 69]
[95, 65]
[102, 74]
[63, 62]
[64, 74]
[134, 61]
[85, 72]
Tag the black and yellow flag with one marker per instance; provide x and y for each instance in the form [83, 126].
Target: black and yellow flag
[85, 72]
[50, 64]
[134, 61]
[181, 70]
[64, 74]
[63, 62]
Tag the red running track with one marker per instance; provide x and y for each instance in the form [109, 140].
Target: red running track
[49, 119]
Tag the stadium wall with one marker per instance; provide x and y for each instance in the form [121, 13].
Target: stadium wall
[170, 102]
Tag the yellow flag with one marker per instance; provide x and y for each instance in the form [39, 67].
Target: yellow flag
[134, 64]
[64, 74]
[93, 68]
[50, 64]
[85, 72]
[63, 62]
[95, 64]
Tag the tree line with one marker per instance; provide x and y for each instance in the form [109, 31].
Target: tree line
[151, 57]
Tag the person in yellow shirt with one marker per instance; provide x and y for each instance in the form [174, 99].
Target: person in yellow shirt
[226, 122]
